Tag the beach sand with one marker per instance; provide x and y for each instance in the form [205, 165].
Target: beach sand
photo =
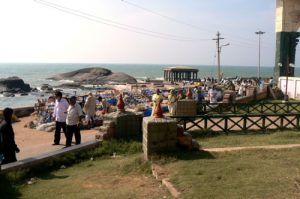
[32, 142]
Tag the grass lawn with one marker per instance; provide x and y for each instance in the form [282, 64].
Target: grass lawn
[122, 177]
[245, 174]
[251, 139]
[239, 174]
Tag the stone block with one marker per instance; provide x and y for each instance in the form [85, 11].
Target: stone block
[186, 107]
[159, 135]
[127, 124]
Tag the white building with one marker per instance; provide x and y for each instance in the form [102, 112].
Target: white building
[293, 86]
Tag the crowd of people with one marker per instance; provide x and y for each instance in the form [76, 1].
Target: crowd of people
[67, 114]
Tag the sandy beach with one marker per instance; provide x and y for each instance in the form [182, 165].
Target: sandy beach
[32, 142]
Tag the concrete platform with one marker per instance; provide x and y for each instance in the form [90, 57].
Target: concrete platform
[42, 158]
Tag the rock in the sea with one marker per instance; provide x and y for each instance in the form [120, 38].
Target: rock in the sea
[95, 76]
[13, 84]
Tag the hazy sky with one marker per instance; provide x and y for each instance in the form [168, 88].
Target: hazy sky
[137, 31]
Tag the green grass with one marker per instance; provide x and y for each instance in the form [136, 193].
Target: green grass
[216, 140]
[122, 177]
[244, 174]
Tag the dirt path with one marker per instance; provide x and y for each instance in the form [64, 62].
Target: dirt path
[226, 149]
[32, 142]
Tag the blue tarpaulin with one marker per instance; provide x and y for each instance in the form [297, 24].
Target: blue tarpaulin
[112, 101]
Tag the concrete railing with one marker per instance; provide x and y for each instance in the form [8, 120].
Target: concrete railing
[43, 158]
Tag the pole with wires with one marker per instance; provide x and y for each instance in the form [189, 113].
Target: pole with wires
[219, 47]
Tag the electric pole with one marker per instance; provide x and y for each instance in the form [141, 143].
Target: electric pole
[219, 52]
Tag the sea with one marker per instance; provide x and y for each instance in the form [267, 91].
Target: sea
[36, 74]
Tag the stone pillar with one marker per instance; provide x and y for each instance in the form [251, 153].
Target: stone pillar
[287, 24]
[159, 136]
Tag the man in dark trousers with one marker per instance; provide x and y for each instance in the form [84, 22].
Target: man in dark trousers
[74, 117]
[60, 115]
[9, 146]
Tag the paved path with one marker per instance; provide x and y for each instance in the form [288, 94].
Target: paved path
[32, 142]
[225, 149]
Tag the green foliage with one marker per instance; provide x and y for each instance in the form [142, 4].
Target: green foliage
[108, 148]
[7, 188]
[240, 174]
[251, 138]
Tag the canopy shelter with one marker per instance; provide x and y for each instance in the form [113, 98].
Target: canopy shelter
[180, 73]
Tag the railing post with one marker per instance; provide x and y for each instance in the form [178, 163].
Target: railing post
[263, 123]
[281, 122]
[226, 124]
[298, 121]
[205, 122]
[244, 122]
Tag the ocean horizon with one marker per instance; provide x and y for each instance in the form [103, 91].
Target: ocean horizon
[36, 74]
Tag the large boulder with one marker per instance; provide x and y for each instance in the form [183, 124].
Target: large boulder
[95, 76]
[13, 83]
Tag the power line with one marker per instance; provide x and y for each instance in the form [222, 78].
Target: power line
[117, 24]
[163, 16]
[182, 22]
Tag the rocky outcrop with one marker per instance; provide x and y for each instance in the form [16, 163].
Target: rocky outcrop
[95, 76]
[13, 85]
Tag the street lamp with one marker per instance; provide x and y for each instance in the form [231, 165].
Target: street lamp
[259, 33]
[219, 65]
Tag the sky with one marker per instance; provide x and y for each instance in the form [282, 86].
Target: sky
[137, 31]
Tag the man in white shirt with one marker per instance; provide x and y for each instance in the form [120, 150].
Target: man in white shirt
[212, 94]
[74, 116]
[60, 114]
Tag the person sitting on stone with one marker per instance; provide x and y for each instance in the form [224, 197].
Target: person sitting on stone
[104, 104]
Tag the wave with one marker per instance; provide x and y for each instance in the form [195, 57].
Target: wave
[66, 81]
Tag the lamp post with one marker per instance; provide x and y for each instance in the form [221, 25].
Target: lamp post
[259, 33]
[219, 67]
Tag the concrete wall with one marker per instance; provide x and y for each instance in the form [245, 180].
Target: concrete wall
[293, 86]
[287, 15]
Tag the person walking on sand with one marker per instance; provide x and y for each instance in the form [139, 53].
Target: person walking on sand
[8, 145]
[74, 116]
[156, 99]
[89, 109]
[60, 115]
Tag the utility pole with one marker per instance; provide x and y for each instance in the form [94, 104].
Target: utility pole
[219, 47]
[259, 33]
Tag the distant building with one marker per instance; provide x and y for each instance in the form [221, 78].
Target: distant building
[180, 73]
